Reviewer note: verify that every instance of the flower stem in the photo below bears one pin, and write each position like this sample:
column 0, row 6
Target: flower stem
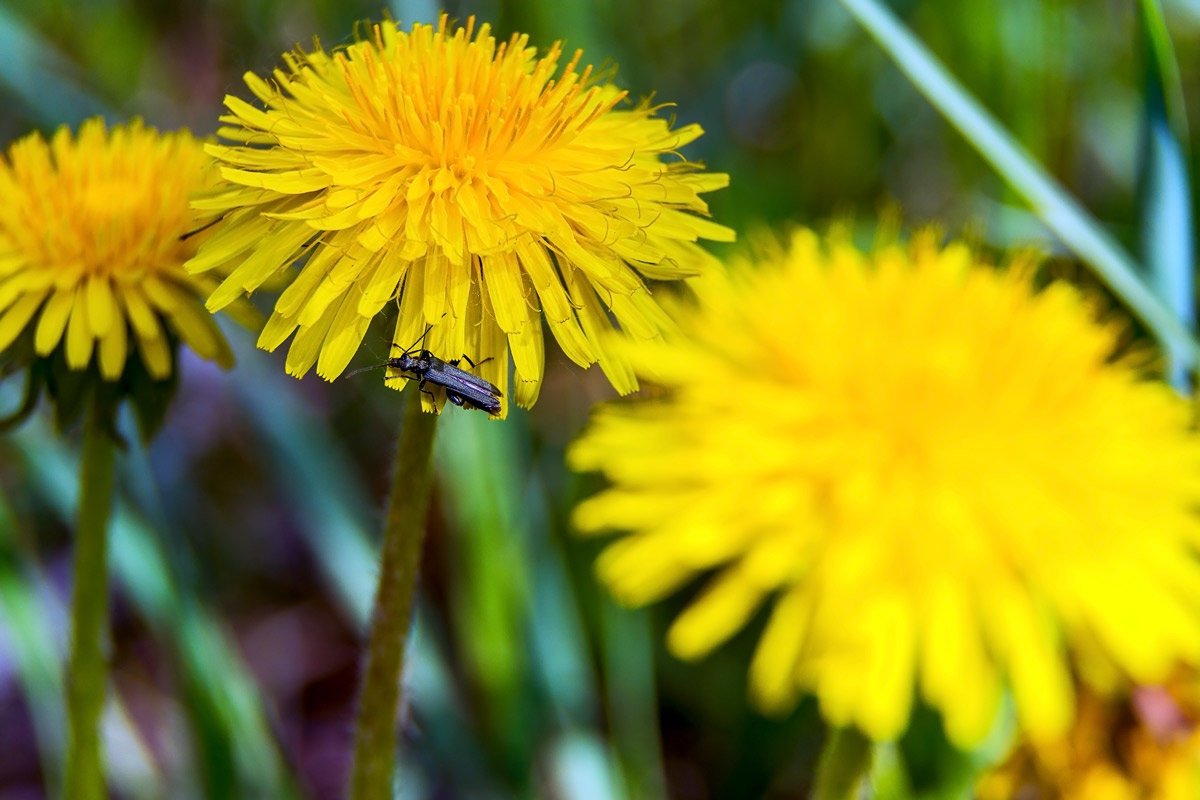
column 845, row 760
column 403, row 535
column 87, row 679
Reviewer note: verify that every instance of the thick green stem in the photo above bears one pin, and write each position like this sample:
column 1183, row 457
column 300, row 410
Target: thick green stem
column 391, row 619
column 87, row 679
column 845, row 761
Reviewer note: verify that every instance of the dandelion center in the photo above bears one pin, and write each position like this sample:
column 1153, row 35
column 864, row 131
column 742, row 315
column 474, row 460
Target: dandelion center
column 99, row 218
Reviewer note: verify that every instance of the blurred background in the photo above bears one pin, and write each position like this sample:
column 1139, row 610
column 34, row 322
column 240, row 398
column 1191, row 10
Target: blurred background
column 243, row 543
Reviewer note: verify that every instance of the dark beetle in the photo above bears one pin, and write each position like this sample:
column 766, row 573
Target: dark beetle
column 462, row 388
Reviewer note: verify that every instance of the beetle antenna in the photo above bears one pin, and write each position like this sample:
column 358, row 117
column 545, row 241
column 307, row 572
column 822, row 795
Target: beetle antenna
column 367, row 369
column 203, row 227
column 418, row 341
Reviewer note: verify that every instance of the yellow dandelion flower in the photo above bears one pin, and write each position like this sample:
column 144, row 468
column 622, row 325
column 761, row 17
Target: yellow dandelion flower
column 476, row 183
column 93, row 236
column 1144, row 745
column 931, row 470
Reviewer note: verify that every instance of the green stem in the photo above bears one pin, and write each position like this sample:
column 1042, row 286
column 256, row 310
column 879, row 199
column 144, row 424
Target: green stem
column 87, row 678
column 391, row 619
column 844, row 763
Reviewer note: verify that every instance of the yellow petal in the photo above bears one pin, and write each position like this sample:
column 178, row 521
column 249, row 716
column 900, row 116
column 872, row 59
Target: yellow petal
column 196, row 329
column 307, row 344
column 143, row 318
column 773, row 672
column 1040, row 683
column 155, row 354
column 955, row 671
column 298, row 292
column 79, row 334
column 639, row 570
column 229, row 242
column 17, row 316
column 597, row 328
column 559, row 312
column 346, row 275
column 53, row 321
column 298, row 181
column 383, row 284
column 163, row 294
column 528, row 356
column 345, row 335
column 273, row 253
column 502, row 280
column 723, row 608
column 113, row 349
column 437, row 270
column 883, row 710
column 276, row 331
column 103, row 312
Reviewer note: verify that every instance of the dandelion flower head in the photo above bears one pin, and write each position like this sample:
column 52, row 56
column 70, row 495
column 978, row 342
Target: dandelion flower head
column 476, row 182
column 933, row 473
column 93, row 235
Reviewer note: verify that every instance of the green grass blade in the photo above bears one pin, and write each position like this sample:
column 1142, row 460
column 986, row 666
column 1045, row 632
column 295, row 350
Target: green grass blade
column 1061, row 212
column 480, row 465
column 632, row 698
column 29, row 636
column 30, row 62
column 1163, row 65
column 1165, row 201
column 557, row 637
column 517, row 617
column 580, row 764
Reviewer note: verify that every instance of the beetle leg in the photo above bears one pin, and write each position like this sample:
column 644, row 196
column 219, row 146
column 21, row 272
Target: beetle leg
column 432, row 398
column 467, row 359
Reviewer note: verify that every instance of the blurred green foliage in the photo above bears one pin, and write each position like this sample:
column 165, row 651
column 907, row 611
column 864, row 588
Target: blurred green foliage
column 243, row 547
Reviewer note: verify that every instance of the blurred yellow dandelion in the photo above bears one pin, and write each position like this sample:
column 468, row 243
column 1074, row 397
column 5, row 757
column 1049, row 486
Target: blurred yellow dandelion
column 932, row 470
column 475, row 181
column 93, row 236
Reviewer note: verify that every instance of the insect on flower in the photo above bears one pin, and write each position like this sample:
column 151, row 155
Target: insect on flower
column 462, row 388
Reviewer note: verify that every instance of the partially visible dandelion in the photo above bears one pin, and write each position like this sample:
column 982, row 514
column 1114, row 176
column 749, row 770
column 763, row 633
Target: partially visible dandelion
column 1143, row 744
column 482, row 186
column 93, row 236
column 94, row 230
column 935, row 474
